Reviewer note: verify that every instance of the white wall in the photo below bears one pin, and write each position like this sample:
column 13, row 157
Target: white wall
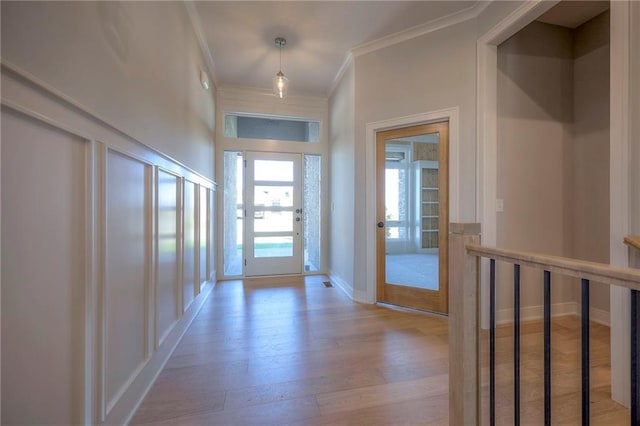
column 91, row 277
column 42, row 284
column 135, row 64
column 342, row 156
column 424, row 74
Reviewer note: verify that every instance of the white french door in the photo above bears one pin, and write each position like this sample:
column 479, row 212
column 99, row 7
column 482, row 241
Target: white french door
column 274, row 221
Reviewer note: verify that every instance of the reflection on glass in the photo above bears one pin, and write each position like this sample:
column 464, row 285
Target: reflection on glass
column 167, row 225
column 411, row 211
column 273, row 170
column 273, row 246
column 273, row 196
column 267, row 221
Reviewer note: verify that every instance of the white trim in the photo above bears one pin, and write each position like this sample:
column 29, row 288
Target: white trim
column 25, row 93
column 619, row 193
column 342, row 285
column 450, row 114
column 471, row 12
column 93, row 271
column 348, row 60
column 529, row 313
column 127, row 405
column 487, row 125
column 194, row 18
column 600, row 316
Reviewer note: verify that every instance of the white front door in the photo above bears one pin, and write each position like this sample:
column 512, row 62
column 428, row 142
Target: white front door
column 273, row 238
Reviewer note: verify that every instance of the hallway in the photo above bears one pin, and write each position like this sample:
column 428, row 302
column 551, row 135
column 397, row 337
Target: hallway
column 291, row 351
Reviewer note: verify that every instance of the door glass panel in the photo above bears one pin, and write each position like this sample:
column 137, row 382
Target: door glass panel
column 273, row 246
column 273, row 170
column 233, row 213
column 273, row 196
column 411, row 211
column 268, row 221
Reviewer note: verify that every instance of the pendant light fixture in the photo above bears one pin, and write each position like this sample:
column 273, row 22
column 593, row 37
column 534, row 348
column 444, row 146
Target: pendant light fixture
column 280, row 82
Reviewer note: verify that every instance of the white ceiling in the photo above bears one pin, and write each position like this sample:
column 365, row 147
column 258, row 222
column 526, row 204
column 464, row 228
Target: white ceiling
column 320, row 34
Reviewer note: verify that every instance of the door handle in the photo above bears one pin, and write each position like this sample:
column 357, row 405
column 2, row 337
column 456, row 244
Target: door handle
column 380, row 224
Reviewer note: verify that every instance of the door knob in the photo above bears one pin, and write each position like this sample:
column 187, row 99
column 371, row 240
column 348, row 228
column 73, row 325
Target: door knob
column 380, row 224
column 297, row 219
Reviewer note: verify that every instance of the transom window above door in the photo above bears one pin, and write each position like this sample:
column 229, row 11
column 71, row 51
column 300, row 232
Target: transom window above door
column 268, row 127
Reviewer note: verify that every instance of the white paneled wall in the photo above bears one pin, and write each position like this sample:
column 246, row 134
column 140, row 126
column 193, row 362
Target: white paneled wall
column 42, row 272
column 168, row 308
column 106, row 255
column 126, row 283
column 189, row 247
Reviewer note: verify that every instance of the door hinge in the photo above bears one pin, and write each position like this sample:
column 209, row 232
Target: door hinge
column 245, row 262
column 245, row 164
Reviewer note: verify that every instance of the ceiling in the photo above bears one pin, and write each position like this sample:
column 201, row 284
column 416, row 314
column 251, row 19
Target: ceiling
column 239, row 36
column 573, row 13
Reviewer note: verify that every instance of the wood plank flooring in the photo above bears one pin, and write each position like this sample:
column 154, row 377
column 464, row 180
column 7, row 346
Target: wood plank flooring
column 290, row 351
column 566, row 379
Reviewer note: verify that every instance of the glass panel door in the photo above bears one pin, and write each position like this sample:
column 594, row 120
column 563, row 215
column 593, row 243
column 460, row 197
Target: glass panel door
column 274, row 214
column 412, row 192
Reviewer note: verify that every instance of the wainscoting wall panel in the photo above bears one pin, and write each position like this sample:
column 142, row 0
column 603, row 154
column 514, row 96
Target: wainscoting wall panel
column 101, row 251
column 42, row 272
column 203, row 240
column 189, row 253
column 126, row 281
column 168, row 308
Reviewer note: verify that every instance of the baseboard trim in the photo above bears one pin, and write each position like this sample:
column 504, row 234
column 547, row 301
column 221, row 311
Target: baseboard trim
column 124, row 409
column 528, row 313
column 342, row 285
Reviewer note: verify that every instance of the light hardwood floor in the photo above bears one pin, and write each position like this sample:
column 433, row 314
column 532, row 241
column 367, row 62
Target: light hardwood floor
column 291, row 352
column 566, row 378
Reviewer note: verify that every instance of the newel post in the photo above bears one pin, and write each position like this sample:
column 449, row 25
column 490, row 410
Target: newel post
column 463, row 325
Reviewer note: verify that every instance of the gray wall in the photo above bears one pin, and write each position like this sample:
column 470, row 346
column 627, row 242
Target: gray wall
column 424, row 74
column 590, row 224
column 535, row 74
column 553, row 150
column 342, row 193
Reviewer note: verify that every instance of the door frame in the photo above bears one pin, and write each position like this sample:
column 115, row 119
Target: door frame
column 397, row 293
column 448, row 114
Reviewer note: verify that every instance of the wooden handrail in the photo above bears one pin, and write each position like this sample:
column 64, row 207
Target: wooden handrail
column 633, row 241
column 598, row 272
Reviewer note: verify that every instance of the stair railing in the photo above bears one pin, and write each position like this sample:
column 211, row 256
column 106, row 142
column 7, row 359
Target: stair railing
column 464, row 313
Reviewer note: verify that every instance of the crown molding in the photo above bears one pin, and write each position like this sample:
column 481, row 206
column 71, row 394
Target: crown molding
column 259, row 92
column 202, row 40
column 348, row 60
column 422, row 29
